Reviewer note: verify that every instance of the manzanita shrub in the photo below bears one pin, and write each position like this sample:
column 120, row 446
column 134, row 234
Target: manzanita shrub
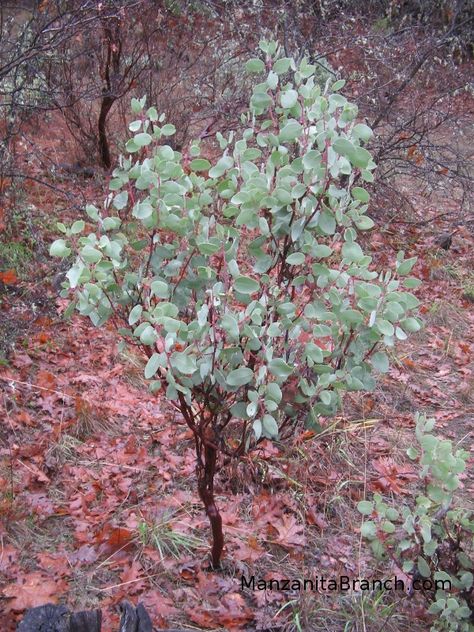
column 241, row 279
column 432, row 539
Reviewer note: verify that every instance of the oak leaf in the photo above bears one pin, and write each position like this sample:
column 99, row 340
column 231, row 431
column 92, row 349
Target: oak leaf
column 32, row 590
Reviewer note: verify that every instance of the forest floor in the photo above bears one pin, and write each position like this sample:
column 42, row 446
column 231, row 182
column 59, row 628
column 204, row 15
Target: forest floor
column 97, row 493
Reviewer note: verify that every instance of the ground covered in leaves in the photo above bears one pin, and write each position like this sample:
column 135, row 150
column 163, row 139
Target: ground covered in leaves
column 97, row 493
column 97, row 476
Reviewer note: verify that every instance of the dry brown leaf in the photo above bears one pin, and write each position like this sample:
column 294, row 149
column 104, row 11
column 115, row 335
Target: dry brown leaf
column 32, row 590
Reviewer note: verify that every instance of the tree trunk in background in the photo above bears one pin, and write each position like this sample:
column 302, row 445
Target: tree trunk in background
column 111, row 74
column 104, row 149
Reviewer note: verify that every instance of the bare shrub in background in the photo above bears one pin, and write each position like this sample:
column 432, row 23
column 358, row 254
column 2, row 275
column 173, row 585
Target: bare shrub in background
column 184, row 57
column 30, row 35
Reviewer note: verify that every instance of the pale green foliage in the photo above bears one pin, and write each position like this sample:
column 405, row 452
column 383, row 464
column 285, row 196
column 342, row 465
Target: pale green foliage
column 243, row 275
column 432, row 538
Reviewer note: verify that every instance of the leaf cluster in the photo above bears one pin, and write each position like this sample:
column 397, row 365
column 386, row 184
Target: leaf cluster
column 431, row 539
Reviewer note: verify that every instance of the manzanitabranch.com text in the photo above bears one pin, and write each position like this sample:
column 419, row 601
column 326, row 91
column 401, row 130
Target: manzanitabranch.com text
column 342, row 584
